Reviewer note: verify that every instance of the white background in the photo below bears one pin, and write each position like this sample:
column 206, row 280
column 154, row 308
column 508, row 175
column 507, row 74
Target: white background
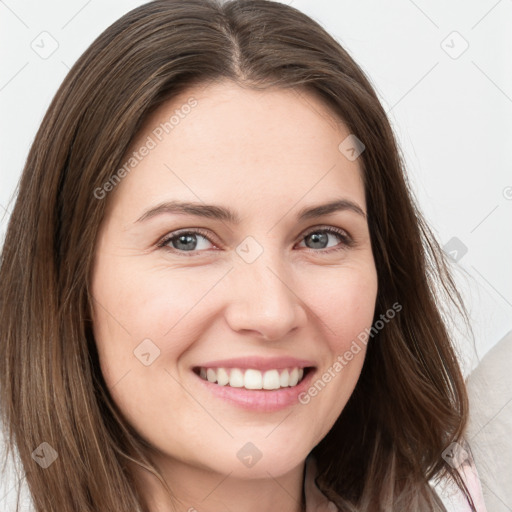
column 451, row 111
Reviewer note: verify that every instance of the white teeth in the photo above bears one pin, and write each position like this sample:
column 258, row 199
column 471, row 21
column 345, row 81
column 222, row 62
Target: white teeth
column 253, row 379
column 294, row 377
column 222, row 377
column 236, row 378
column 271, row 380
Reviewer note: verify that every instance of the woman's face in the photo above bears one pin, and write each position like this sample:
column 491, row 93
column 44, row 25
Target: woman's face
column 179, row 289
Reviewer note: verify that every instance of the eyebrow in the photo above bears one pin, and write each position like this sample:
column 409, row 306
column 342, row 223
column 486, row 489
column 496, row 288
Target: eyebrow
column 225, row 214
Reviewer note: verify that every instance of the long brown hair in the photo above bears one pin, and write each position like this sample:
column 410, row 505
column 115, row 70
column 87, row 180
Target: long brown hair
column 410, row 402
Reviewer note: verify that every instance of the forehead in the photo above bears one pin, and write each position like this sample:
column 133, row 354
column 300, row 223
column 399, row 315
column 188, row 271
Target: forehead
column 223, row 142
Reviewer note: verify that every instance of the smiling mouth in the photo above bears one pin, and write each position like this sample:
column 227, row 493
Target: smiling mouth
column 253, row 379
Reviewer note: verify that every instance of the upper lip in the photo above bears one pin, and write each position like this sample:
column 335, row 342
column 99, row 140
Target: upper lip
column 258, row 363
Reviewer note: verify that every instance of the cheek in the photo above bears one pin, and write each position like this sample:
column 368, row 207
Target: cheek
column 345, row 303
column 141, row 330
column 143, row 315
column 150, row 301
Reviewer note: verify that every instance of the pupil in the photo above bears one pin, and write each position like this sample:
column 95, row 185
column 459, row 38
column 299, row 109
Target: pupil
column 186, row 238
column 319, row 238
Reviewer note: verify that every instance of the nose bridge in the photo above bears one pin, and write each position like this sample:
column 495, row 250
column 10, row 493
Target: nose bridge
column 262, row 297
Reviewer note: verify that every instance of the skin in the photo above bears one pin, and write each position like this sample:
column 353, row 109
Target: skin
column 265, row 154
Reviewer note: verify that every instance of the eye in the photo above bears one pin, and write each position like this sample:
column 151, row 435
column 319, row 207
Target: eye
column 319, row 237
column 186, row 241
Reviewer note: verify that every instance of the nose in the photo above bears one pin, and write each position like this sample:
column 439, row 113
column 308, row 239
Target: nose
column 261, row 300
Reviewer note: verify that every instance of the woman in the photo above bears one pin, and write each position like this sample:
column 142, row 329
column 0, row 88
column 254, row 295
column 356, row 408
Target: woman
column 142, row 371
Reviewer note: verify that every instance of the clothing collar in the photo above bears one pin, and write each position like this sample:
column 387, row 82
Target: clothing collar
column 316, row 500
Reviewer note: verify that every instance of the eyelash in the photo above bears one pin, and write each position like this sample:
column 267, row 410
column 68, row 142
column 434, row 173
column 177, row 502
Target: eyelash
column 347, row 241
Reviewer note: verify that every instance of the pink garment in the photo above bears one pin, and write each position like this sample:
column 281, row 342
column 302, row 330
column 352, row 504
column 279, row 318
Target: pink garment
column 452, row 497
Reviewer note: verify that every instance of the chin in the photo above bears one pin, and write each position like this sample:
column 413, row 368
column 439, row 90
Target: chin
column 250, row 462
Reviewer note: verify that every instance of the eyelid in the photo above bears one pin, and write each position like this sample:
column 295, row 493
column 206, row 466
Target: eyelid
column 343, row 234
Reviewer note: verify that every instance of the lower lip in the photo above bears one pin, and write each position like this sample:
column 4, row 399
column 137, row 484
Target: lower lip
column 258, row 399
